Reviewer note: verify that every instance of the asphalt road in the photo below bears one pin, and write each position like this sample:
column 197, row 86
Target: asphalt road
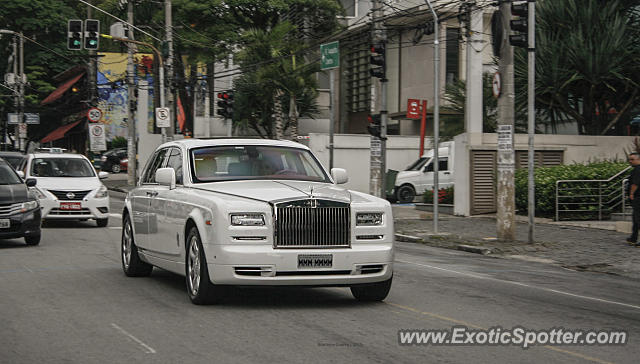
column 67, row 301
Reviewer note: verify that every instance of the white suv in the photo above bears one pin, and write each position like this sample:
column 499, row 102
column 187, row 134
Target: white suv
column 68, row 187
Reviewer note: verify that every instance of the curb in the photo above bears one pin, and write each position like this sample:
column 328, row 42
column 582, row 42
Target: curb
column 117, row 189
column 408, row 238
column 474, row 249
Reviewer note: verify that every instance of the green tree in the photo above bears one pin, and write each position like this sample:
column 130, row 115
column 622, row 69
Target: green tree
column 587, row 54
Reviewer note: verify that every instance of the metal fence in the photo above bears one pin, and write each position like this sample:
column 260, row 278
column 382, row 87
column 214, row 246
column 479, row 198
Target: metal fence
column 591, row 199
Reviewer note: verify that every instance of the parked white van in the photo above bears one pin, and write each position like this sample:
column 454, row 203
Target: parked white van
column 418, row 177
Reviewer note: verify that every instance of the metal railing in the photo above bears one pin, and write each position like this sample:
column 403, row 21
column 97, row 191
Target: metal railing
column 583, row 199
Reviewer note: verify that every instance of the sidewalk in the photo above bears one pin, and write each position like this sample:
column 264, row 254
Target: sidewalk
column 573, row 245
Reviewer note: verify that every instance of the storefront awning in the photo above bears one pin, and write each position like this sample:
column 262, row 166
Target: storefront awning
column 60, row 132
column 61, row 90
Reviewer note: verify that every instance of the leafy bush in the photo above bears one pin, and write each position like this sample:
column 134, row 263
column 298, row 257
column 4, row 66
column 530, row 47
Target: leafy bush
column 545, row 183
column 445, row 195
column 118, row 142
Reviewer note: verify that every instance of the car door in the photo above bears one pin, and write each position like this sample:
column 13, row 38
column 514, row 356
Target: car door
column 141, row 200
column 167, row 208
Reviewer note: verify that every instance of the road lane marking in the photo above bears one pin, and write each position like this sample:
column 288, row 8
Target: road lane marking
column 147, row 349
column 115, row 227
column 525, row 285
column 116, row 215
column 464, row 323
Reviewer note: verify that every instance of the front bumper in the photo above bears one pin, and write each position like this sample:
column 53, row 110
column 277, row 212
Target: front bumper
column 22, row 224
column 91, row 208
column 264, row 265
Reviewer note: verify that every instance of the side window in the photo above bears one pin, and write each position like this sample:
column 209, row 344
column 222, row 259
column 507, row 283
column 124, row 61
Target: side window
column 175, row 162
column 150, row 173
column 443, row 165
column 429, row 167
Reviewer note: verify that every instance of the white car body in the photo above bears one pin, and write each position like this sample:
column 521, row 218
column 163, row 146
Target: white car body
column 162, row 216
column 420, row 177
column 76, row 192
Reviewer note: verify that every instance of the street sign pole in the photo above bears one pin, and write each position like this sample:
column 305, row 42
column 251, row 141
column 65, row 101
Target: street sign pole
column 330, row 60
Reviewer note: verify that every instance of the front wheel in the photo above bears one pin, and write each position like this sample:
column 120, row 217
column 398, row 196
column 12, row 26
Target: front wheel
column 374, row 292
column 32, row 240
column 200, row 289
column 405, row 194
column 131, row 263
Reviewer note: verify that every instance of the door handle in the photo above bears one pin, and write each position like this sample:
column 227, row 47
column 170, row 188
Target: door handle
column 152, row 194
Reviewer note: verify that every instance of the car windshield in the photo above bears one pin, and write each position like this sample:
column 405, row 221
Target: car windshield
column 61, row 167
column 8, row 175
column 417, row 165
column 255, row 162
column 13, row 160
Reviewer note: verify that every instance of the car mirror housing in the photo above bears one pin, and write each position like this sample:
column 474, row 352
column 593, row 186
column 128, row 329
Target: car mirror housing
column 103, row 175
column 339, row 175
column 166, row 177
column 31, row 182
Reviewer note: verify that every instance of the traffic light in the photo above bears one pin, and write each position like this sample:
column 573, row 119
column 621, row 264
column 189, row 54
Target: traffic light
column 519, row 25
column 74, row 34
column 225, row 104
column 91, row 33
column 379, row 67
column 374, row 125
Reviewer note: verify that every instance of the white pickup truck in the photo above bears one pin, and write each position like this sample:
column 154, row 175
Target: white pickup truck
column 418, row 177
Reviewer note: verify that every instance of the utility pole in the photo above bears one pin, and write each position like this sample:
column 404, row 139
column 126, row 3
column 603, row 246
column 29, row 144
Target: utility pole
column 16, row 100
column 473, row 104
column 378, row 160
column 92, row 66
column 505, row 224
column 20, row 84
column 436, row 113
column 531, row 80
column 169, row 74
column 131, row 104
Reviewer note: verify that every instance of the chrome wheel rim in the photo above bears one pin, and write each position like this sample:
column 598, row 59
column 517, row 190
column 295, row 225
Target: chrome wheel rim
column 126, row 244
column 193, row 264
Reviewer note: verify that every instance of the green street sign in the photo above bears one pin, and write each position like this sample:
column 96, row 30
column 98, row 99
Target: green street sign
column 330, row 55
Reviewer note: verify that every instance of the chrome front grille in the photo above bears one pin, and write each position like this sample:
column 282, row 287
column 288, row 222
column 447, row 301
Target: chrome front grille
column 6, row 210
column 69, row 195
column 312, row 224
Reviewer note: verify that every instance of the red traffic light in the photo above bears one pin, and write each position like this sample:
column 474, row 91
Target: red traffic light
column 377, row 48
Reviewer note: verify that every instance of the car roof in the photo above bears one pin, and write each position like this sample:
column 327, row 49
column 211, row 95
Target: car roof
column 197, row 143
column 58, row 155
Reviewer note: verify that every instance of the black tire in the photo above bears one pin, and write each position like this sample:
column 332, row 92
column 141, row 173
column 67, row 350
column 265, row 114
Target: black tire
column 131, row 263
column 115, row 168
column 405, row 194
column 32, row 240
column 102, row 222
column 199, row 287
column 374, row 292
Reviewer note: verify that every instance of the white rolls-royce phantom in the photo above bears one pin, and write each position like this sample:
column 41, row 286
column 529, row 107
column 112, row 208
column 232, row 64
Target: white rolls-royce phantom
column 254, row 212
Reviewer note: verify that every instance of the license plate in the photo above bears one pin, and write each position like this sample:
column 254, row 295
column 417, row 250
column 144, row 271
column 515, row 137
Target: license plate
column 315, row 261
column 5, row 223
column 70, row 206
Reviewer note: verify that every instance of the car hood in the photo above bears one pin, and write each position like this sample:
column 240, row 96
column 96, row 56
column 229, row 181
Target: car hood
column 68, row 183
column 274, row 191
column 13, row 193
column 402, row 175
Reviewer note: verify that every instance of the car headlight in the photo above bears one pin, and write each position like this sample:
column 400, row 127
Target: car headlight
column 102, row 192
column 369, row 218
column 247, row 219
column 29, row 205
column 39, row 194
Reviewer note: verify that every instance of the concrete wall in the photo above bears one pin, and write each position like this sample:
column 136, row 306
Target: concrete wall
column 352, row 152
column 577, row 149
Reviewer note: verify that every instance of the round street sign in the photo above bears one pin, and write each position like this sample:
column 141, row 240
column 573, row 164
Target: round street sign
column 94, row 114
column 496, row 84
column 163, row 117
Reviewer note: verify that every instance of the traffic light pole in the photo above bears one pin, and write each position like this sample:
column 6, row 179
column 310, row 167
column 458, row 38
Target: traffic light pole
column 436, row 113
column 20, row 84
column 131, row 106
column 531, row 79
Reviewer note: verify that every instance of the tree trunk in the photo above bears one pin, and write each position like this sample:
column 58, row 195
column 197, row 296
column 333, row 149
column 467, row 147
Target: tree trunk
column 293, row 117
column 277, row 111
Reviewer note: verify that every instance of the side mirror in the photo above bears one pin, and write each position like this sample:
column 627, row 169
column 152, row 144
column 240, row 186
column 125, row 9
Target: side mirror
column 31, row 182
column 20, row 174
column 339, row 175
column 166, row 177
column 103, row 175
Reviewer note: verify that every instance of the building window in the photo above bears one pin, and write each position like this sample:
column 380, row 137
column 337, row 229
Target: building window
column 358, row 80
column 350, row 8
column 453, row 54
